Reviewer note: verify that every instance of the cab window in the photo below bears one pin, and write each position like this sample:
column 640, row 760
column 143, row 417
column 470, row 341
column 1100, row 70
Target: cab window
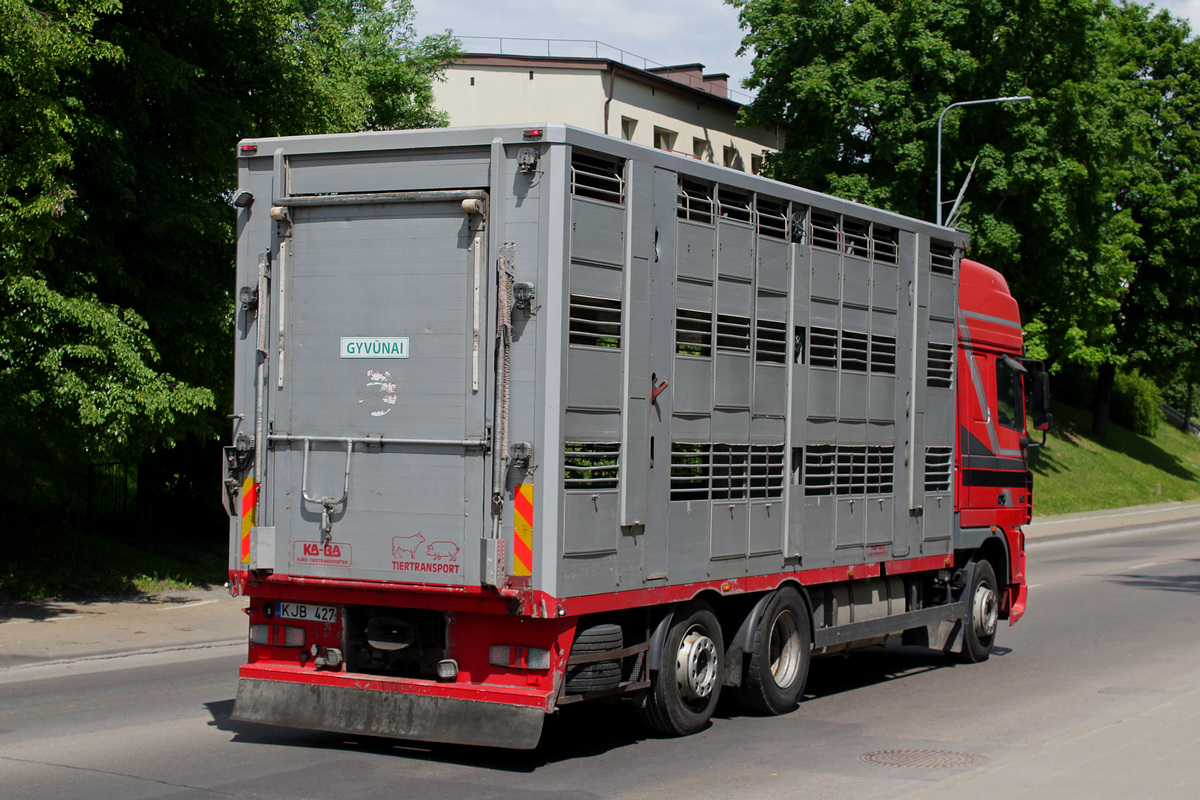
column 1010, row 399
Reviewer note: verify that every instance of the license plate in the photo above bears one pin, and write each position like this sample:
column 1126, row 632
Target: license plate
column 305, row 612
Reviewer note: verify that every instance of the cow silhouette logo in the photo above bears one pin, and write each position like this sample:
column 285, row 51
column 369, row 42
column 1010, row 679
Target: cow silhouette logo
column 402, row 545
column 442, row 551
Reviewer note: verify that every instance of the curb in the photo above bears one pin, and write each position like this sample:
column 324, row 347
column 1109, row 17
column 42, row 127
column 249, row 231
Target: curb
column 69, row 660
column 1094, row 523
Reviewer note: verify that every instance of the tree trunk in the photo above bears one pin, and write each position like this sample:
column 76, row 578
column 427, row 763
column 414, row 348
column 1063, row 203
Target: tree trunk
column 1102, row 403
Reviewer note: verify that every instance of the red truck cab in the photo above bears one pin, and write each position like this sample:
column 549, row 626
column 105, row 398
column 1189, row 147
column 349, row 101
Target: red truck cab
column 994, row 487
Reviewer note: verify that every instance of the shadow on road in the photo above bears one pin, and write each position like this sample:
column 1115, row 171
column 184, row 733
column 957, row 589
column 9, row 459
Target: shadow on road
column 1162, row 583
column 49, row 610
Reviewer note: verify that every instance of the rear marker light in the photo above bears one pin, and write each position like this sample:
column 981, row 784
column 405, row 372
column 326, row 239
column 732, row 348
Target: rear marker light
column 248, row 149
column 534, row 133
column 277, row 635
column 502, row 655
column 447, row 670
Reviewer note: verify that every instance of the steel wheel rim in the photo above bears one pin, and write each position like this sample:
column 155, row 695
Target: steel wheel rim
column 696, row 665
column 784, row 652
column 985, row 610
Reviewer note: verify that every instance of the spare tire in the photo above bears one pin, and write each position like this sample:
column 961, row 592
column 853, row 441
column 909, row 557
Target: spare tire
column 597, row 675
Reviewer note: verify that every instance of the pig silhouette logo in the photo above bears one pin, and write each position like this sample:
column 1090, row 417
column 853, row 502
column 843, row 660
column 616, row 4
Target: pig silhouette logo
column 406, row 544
column 442, row 551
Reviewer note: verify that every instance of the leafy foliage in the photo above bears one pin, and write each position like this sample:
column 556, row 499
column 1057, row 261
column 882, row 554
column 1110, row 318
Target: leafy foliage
column 117, row 124
column 1137, row 403
column 1084, row 197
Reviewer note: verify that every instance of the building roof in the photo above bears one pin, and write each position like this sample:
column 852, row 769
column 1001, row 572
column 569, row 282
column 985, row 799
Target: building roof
column 686, row 79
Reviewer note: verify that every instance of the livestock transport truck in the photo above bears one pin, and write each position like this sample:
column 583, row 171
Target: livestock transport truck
column 530, row 416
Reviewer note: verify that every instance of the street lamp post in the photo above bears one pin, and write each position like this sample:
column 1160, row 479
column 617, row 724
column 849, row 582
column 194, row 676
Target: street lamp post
column 939, row 138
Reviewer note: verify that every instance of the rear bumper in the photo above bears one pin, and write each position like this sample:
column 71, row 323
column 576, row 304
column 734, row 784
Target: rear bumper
column 396, row 715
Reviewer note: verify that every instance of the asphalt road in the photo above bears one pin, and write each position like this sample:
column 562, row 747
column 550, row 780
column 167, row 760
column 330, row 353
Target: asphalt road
column 1109, row 627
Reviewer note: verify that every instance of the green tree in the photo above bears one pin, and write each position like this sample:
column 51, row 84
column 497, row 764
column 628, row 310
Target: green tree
column 861, row 84
column 1158, row 322
column 115, row 315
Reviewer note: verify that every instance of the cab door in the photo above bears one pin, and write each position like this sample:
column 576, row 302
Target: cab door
column 994, row 470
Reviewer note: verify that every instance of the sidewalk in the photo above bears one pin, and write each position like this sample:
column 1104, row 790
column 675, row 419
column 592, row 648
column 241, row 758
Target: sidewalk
column 59, row 630
column 1066, row 526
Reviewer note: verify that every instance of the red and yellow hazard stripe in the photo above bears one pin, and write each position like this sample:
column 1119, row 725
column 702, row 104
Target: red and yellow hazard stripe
column 523, row 530
column 249, row 503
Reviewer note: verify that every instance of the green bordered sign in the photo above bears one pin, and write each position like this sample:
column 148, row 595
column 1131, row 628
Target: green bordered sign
column 374, row 347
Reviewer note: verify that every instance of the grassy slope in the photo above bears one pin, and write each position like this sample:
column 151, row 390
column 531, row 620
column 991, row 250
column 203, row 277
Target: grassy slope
column 1075, row 473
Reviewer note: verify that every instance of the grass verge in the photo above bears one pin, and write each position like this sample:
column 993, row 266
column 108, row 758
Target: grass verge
column 1074, row 472
column 58, row 563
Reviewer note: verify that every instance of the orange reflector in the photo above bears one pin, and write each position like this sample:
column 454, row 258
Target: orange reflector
column 249, row 502
column 523, row 530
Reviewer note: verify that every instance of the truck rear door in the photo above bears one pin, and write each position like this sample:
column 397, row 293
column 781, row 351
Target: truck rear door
column 377, row 423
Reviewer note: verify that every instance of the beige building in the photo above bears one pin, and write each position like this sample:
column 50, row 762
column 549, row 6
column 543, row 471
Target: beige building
column 672, row 108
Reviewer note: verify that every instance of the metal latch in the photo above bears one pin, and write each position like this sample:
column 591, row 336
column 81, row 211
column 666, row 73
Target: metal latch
column 248, row 297
column 520, row 453
column 527, row 159
column 238, row 458
column 523, row 294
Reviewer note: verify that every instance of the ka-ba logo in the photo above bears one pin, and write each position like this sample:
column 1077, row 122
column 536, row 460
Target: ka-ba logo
column 321, row 554
column 413, row 554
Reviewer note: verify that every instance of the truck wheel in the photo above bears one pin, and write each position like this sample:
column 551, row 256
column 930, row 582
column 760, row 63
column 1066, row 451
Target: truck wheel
column 983, row 611
column 598, row 675
column 779, row 656
column 684, row 691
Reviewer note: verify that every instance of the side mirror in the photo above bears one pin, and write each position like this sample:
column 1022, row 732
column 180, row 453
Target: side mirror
column 1042, row 397
column 1043, row 421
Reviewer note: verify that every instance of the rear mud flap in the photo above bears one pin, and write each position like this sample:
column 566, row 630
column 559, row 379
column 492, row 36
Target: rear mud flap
column 388, row 714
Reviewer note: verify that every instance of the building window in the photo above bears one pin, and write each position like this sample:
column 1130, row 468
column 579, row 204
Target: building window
column 756, row 164
column 702, row 150
column 627, row 128
column 664, row 139
column 733, row 158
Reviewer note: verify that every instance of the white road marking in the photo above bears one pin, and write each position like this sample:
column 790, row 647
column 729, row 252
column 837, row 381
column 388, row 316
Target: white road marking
column 186, row 605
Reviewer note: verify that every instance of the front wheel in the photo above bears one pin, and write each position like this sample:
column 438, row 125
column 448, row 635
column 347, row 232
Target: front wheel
column 779, row 656
column 683, row 693
column 983, row 614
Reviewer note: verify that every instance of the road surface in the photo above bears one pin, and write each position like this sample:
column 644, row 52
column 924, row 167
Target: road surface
column 1109, row 629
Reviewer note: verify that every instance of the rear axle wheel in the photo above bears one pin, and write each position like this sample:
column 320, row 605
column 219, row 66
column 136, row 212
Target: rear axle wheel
column 683, row 692
column 777, row 667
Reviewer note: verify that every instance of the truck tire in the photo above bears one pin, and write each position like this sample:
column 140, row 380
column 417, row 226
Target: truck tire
column 598, row 675
column 684, row 691
column 778, row 657
column 983, row 606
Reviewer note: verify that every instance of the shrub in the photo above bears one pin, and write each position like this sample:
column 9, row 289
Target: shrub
column 1137, row 403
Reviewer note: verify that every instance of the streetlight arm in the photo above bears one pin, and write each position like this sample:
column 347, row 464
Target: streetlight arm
column 941, row 117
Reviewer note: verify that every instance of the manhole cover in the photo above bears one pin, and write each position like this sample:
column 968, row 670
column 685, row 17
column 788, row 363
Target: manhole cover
column 923, row 759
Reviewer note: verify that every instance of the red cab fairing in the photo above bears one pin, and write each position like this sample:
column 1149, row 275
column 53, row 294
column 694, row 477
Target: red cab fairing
column 994, row 487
